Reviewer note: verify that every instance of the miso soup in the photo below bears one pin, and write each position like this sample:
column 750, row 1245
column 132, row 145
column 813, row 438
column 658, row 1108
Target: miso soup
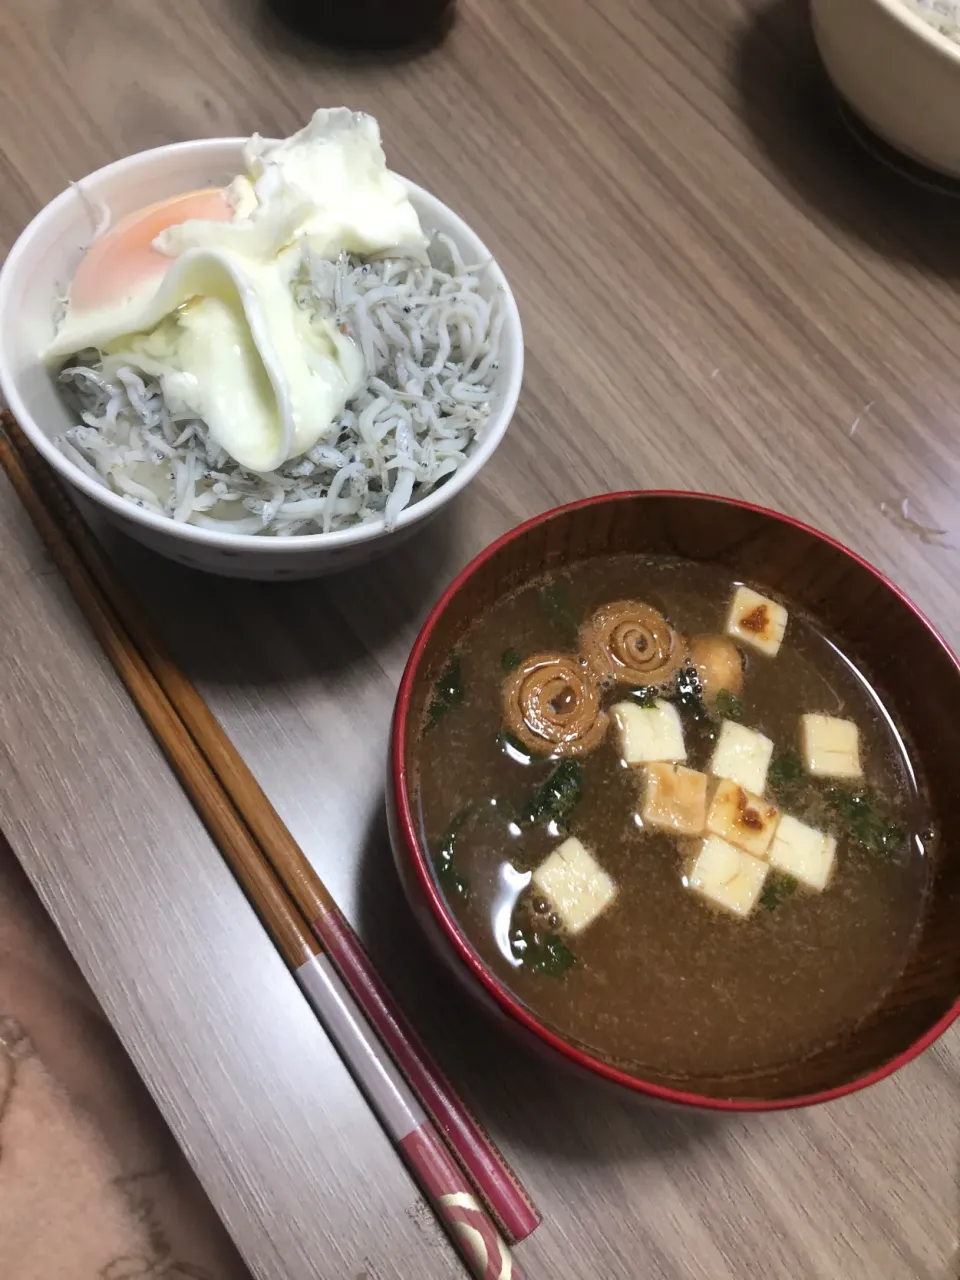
column 673, row 816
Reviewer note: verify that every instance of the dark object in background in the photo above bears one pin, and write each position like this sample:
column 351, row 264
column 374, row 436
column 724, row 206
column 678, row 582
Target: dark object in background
column 366, row 24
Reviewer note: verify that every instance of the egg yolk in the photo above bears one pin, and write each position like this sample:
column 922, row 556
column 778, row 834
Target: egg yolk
column 124, row 259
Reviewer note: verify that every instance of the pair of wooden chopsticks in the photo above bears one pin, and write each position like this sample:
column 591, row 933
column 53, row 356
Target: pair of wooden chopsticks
column 409, row 1093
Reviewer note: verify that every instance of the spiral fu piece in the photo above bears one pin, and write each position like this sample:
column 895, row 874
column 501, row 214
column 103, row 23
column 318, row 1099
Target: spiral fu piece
column 628, row 642
column 551, row 704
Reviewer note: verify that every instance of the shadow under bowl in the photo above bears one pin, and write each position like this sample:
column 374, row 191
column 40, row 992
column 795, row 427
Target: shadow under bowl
column 879, row 629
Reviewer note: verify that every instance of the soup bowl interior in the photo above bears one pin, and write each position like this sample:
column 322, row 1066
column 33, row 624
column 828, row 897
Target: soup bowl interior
column 877, row 627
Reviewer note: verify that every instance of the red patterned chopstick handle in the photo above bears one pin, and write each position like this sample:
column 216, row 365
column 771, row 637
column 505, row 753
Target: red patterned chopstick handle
column 472, row 1232
column 477, row 1240
column 507, row 1201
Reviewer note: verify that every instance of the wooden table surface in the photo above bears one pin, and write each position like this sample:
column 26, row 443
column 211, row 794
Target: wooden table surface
column 721, row 290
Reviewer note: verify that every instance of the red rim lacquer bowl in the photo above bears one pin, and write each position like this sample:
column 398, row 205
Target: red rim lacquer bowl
column 877, row 626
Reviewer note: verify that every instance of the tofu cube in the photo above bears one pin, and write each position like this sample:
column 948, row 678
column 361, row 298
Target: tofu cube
column 831, row 747
column 743, row 756
column 649, row 734
column 757, row 621
column 742, row 819
column 576, row 886
column 674, row 799
column 726, row 876
column 803, row 852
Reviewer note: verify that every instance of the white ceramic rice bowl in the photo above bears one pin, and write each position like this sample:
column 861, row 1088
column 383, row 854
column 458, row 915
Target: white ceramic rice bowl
column 899, row 74
column 36, row 274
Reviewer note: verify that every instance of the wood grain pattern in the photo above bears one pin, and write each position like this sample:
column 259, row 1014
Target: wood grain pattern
column 291, row 901
column 261, row 1097
column 720, row 291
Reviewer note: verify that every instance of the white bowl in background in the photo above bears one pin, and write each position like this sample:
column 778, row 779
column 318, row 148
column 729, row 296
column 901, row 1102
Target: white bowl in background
column 899, row 74
column 35, row 276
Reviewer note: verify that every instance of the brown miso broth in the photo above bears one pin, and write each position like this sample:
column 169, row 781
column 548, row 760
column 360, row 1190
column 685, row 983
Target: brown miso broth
column 663, row 980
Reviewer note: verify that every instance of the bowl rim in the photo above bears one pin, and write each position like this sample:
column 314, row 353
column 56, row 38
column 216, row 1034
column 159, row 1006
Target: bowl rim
column 417, row 856
column 910, row 19
column 237, row 543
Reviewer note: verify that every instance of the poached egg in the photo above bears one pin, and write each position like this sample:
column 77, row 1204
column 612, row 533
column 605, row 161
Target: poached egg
column 198, row 290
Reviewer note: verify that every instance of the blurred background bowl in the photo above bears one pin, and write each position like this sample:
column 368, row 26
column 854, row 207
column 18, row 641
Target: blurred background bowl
column 897, row 72
column 876, row 625
column 36, row 276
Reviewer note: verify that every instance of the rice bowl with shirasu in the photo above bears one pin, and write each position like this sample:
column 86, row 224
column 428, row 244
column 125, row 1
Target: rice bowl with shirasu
column 942, row 15
column 430, row 343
